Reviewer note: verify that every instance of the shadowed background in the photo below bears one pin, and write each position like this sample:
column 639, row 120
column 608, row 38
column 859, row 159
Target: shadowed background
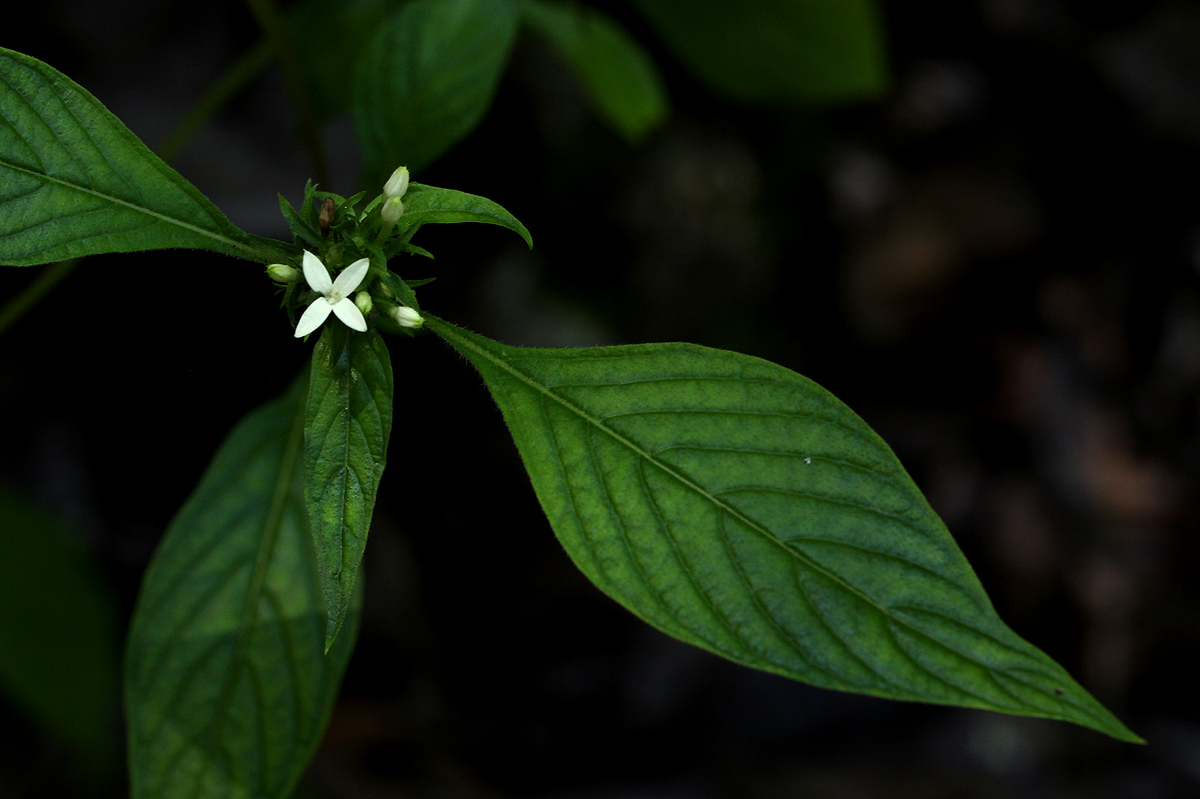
column 994, row 263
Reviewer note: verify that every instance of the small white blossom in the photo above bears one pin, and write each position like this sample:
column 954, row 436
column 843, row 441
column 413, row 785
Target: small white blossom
column 406, row 317
column 335, row 295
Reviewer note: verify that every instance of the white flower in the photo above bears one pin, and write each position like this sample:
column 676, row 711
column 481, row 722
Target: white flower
column 335, row 295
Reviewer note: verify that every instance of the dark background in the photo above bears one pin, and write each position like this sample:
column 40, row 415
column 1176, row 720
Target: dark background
column 995, row 265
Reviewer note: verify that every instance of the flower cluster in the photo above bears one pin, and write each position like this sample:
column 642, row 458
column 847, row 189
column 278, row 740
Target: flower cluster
column 335, row 293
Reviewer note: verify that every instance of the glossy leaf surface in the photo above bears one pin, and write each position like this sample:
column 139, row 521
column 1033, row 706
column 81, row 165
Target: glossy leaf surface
column 424, row 205
column 75, row 181
column 426, row 79
column 228, row 685
column 618, row 74
column 740, row 507
column 58, row 633
column 772, row 51
column 348, row 420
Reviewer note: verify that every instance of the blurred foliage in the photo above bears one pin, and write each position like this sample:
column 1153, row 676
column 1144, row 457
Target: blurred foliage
column 58, row 633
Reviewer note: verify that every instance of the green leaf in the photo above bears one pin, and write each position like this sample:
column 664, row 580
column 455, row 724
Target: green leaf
column 75, row 181
column 772, row 51
column 427, row 78
column 328, row 36
column 616, row 71
column 300, row 228
column 424, row 205
column 58, row 633
column 740, row 507
column 348, row 420
column 228, row 686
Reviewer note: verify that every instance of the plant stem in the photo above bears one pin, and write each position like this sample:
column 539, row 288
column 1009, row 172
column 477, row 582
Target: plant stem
column 221, row 91
column 40, row 287
column 271, row 22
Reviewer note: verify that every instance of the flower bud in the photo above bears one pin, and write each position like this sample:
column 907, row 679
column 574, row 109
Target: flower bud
column 392, row 210
column 397, row 184
column 363, row 300
column 405, row 316
column 282, row 273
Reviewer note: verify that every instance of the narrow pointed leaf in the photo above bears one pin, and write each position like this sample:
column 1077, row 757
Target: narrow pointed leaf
column 348, row 420
column 426, row 79
column 773, row 51
column 740, row 507
column 425, row 205
column 75, row 181
column 228, row 685
column 617, row 72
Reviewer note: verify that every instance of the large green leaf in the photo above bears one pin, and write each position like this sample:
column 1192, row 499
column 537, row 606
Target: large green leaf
column 75, row 181
column 425, row 80
column 348, row 420
column 740, row 507
column 424, row 205
column 228, row 686
column 617, row 72
column 773, row 51
column 58, row 632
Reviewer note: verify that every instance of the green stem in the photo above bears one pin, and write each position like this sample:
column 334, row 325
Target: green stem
column 215, row 97
column 40, row 287
column 271, row 22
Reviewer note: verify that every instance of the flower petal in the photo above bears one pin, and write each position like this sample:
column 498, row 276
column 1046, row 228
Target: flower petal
column 317, row 313
column 350, row 277
column 317, row 275
column 348, row 312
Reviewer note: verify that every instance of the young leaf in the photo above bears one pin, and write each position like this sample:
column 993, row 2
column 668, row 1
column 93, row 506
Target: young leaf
column 58, row 633
column 75, row 181
column 424, row 205
column 348, row 420
column 771, row 51
column 426, row 79
column 228, row 686
column 615, row 70
column 740, row 507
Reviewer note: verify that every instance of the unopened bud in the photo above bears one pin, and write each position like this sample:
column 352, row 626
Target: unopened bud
column 282, row 273
column 406, row 317
column 363, row 300
column 392, row 210
column 397, row 184
column 325, row 217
